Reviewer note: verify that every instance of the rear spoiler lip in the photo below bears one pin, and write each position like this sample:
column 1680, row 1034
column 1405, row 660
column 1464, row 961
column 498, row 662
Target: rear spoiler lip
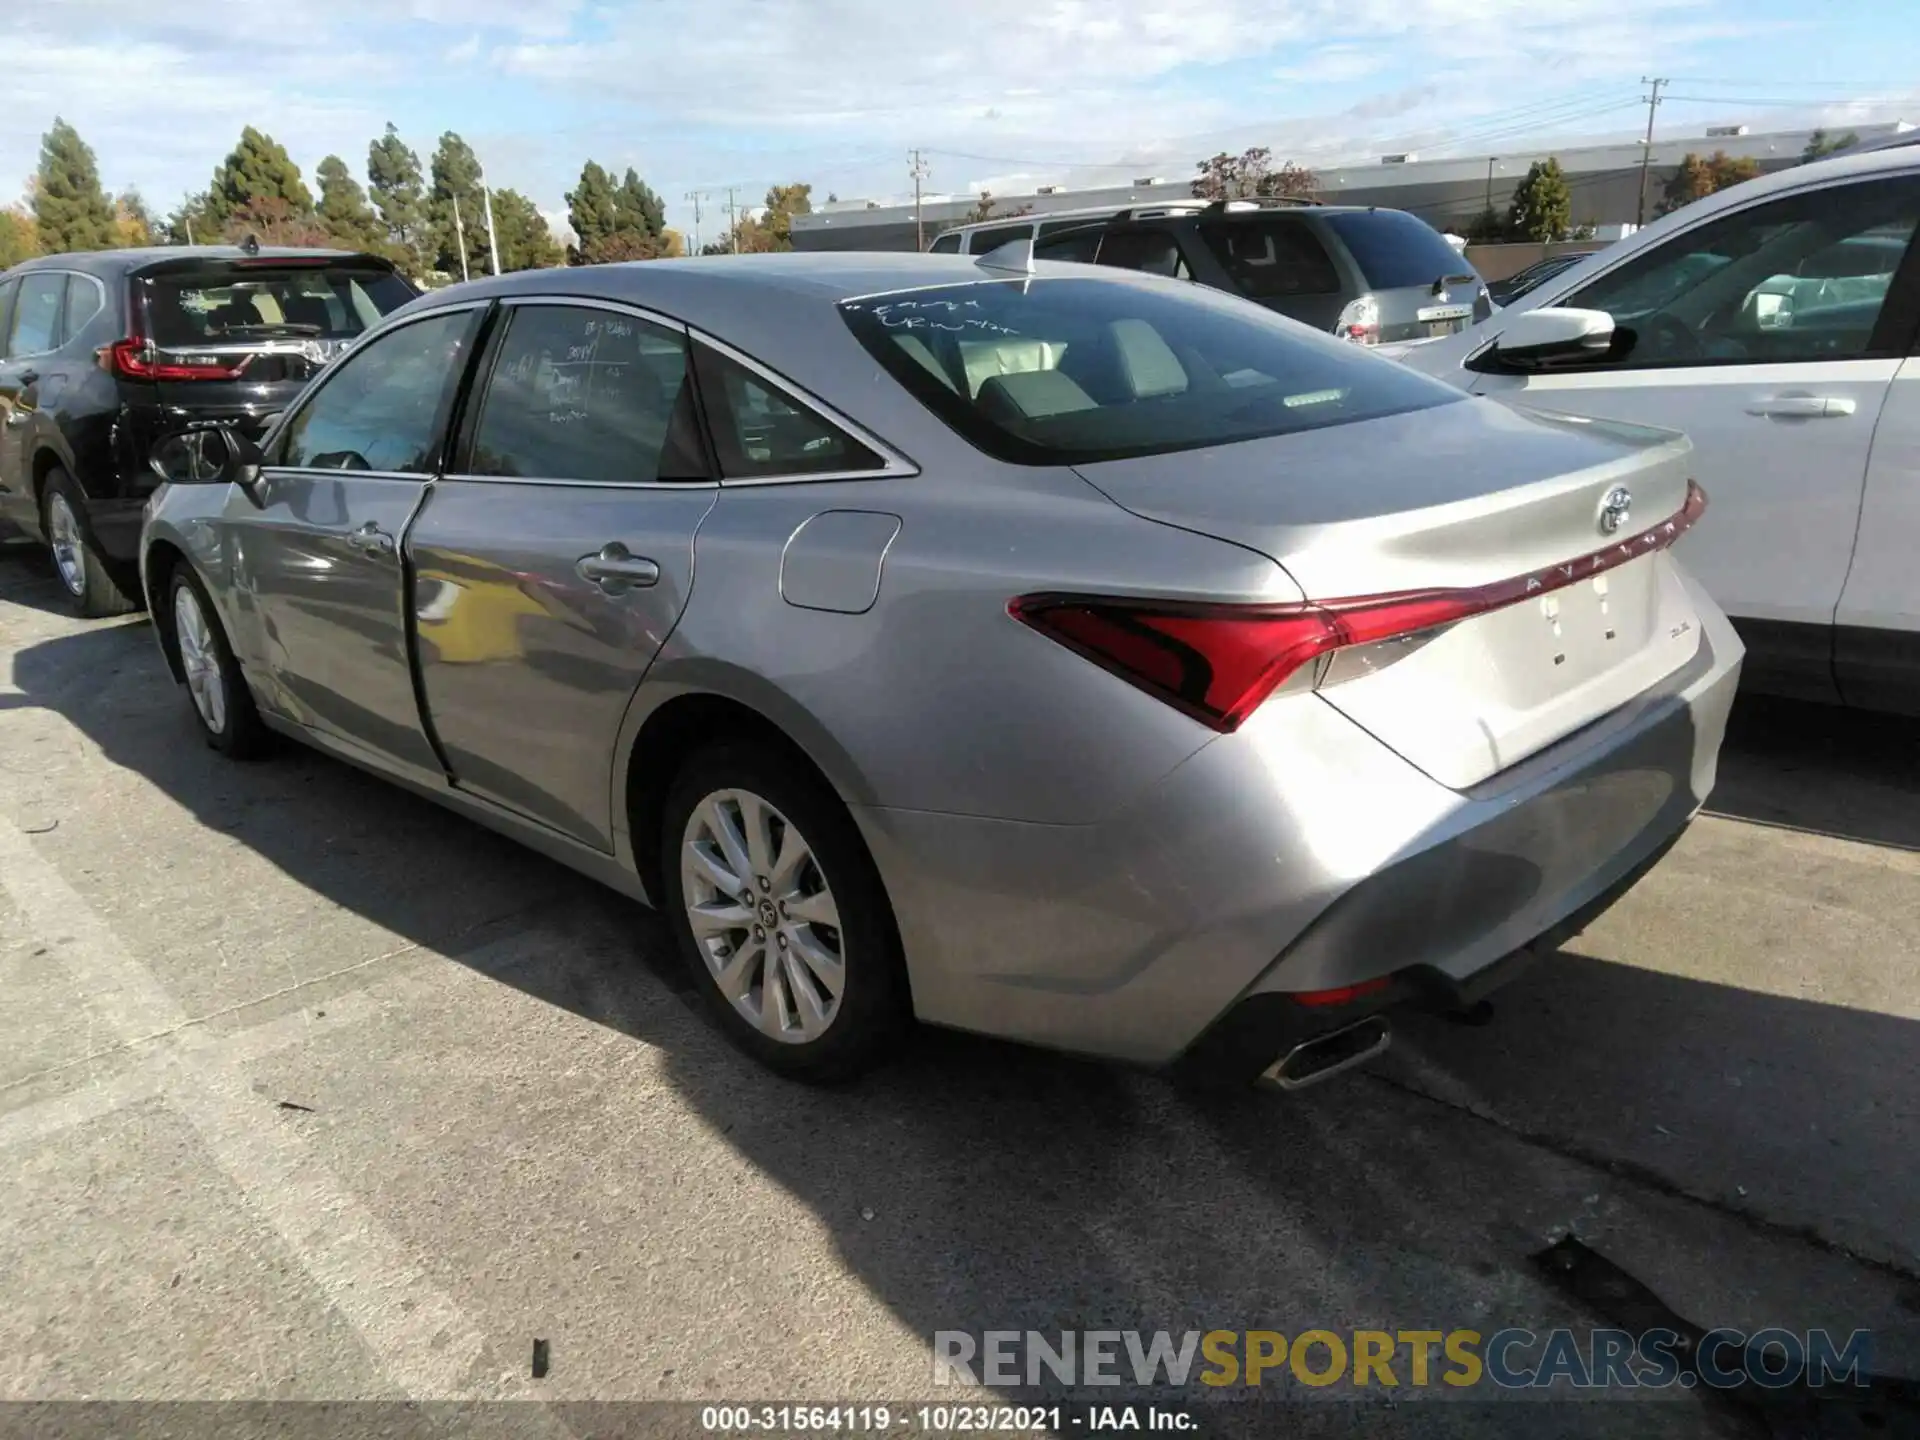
column 240, row 259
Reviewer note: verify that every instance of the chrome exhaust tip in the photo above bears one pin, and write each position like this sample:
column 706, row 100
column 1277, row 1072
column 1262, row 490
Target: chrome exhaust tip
column 1325, row 1056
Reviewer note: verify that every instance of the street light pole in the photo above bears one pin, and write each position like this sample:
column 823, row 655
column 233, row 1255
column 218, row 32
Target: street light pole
column 493, row 244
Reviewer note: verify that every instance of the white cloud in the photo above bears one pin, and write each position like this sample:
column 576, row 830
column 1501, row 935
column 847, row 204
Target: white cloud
column 467, row 51
column 1333, row 64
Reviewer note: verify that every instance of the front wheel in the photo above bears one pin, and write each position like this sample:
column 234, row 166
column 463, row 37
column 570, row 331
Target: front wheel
column 222, row 705
column 91, row 582
column 780, row 914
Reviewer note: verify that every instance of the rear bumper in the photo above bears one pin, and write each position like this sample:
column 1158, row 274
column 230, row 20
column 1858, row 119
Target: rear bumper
column 1296, row 855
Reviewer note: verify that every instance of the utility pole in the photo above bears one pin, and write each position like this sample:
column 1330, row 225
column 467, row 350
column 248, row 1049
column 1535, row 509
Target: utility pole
column 1646, row 151
column 733, row 222
column 460, row 238
column 919, row 172
column 1490, row 160
column 694, row 196
column 493, row 245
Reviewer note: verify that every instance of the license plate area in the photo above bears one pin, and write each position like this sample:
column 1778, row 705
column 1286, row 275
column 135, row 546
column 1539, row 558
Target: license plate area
column 1444, row 319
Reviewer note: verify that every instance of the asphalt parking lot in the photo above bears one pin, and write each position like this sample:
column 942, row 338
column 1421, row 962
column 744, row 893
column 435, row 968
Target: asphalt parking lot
column 309, row 1090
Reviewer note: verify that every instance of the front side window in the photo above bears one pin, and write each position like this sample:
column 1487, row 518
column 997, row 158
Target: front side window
column 760, row 432
column 382, row 409
column 590, row 395
column 1058, row 371
column 1270, row 258
column 1801, row 278
column 1153, row 252
column 36, row 313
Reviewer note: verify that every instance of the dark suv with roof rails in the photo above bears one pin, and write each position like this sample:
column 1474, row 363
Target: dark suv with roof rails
column 1365, row 274
column 104, row 352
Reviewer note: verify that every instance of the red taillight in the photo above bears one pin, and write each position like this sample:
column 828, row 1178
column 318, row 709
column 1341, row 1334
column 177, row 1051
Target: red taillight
column 1217, row 662
column 1342, row 994
column 130, row 359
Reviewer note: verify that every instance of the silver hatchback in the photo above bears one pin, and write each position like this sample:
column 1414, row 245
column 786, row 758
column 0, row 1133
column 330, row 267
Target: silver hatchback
column 1075, row 657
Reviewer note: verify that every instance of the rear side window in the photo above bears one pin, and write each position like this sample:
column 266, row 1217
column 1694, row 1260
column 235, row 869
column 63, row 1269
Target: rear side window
column 1078, row 246
column 36, row 313
column 1153, row 252
column 761, row 432
column 1395, row 250
column 591, row 395
column 230, row 304
column 1270, row 258
column 984, row 240
column 85, row 299
column 947, row 244
column 1050, row 371
column 8, row 288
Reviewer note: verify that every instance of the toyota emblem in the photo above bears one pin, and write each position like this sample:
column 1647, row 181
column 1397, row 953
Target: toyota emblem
column 1615, row 508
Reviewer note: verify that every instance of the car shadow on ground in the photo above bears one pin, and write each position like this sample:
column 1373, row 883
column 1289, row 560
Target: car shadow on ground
column 27, row 576
column 975, row 1185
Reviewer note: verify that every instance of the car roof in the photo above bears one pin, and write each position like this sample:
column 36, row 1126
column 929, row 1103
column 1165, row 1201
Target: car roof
column 116, row 262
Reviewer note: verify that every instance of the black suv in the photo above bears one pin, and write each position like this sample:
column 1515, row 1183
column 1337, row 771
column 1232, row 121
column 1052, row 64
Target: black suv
column 104, row 352
column 1365, row 274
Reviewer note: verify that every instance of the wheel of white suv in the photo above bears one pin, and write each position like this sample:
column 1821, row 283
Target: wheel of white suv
column 780, row 914
column 222, row 704
column 90, row 581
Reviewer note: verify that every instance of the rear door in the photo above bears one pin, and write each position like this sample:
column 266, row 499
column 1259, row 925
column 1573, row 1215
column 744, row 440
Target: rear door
column 317, row 549
column 32, row 335
column 551, row 565
column 1778, row 379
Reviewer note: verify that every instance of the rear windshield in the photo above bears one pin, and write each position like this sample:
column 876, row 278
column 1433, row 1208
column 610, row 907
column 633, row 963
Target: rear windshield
column 1073, row 371
column 1394, row 249
column 1271, row 258
column 211, row 307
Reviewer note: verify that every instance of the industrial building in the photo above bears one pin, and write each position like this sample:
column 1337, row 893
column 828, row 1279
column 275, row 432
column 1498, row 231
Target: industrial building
column 1447, row 192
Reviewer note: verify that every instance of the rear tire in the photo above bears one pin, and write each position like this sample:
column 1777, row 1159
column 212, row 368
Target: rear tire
column 780, row 914
column 92, row 582
column 223, row 706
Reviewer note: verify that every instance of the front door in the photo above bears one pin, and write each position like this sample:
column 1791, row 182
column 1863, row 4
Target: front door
column 1769, row 337
column 318, row 550
column 30, row 334
column 552, row 562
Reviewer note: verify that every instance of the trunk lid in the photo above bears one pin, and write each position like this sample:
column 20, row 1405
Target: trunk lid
column 1457, row 498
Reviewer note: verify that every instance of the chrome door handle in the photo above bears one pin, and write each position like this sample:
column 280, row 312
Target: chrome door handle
column 1803, row 407
column 371, row 540
column 617, row 570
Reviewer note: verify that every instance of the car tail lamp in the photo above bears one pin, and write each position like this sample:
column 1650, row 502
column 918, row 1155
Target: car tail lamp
column 1219, row 662
column 134, row 359
column 1360, row 321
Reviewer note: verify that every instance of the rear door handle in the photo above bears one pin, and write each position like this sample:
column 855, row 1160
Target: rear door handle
column 617, row 570
column 1803, row 407
column 371, row 540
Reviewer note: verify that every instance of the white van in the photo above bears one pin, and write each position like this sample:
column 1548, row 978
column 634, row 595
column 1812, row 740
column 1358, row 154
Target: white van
column 985, row 235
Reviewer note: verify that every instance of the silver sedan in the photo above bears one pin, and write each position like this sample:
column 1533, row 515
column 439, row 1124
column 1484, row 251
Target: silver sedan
column 1073, row 656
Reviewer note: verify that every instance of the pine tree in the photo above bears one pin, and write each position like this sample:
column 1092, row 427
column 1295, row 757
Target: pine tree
column 394, row 183
column 70, row 209
column 637, row 208
column 526, row 241
column 456, row 182
column 259, row 187
column 593, row 211
column 132, row 222
column 1542, row 208
column 786, row 201
column 344, row 212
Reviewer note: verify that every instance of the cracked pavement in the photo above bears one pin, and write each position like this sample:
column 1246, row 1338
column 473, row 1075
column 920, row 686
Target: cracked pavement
column 311, row 1090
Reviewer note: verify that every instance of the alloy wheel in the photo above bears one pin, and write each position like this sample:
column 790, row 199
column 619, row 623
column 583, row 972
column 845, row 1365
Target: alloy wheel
column 763, row 916
column 63, row 536
column 200, row 660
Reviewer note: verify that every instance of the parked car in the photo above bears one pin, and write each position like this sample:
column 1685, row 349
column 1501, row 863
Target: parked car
column 1776, row 323
column 1069, row 656
column 102, row 353
column 1505, row 292
column 982, row 236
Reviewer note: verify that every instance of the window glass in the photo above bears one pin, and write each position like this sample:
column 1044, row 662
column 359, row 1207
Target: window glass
column 7, row 291
column 1395, row 250
column 36, row 313
column 1801, row 278
column 1269, row 258
column 1059, row 371
column 1078, row 245
column 227, row 303
column 981, row 241
column 947, row 244
column 85, row 299
column 1152, row 251
column 381, row 410
column 759, row 431
column 584, row 394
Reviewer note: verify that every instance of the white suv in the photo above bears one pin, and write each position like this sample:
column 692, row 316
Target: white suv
column 1775, row 323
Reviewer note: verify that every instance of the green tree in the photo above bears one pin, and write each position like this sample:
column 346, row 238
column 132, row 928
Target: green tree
column 344, row 213
column 593, row 211
column 526, row 241
column 782, row 204
column 394, row 183
column 637, row 208
column 19, row 238
column 133, row 223
column 258, row 186
column 456, row 216
column 1728, row 172
column 1819, row 145
column 1250, row 175
column 1542, row 208
column 614, row 222
column 1489, row 227
column 70, row 209
column 193, row 222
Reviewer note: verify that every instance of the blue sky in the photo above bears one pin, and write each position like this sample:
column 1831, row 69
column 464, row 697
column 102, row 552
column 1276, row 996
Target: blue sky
column 703, row 94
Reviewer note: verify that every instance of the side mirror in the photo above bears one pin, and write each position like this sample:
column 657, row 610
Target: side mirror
column 1546, row 338
column 215, row 456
